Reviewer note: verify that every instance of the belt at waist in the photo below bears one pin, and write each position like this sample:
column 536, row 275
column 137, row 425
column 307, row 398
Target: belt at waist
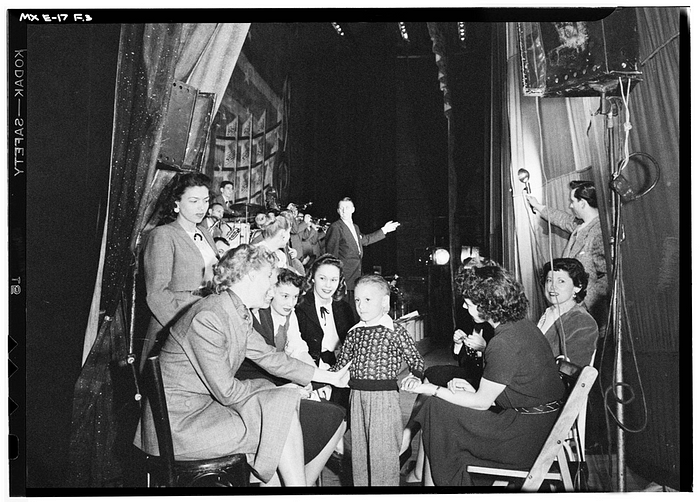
column 365, row 384
column 541, row 409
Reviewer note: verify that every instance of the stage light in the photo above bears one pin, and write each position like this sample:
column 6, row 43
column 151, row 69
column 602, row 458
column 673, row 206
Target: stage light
column 338, row 29
column 462, row 29
column 440, row 256
column 404, row 31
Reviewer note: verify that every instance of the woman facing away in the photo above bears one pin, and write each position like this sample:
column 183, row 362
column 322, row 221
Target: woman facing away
column 214, row 414
column 178, row 257
column 504, row 422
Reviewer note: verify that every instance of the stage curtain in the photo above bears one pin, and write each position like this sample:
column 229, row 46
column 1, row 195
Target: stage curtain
column 561, row 139
column 152, row 56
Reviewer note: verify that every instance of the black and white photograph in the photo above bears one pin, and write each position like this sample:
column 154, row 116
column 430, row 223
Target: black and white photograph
column 348, row 249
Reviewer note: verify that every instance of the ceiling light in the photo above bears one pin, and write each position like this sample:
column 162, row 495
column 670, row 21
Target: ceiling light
column 404, row 31
column 462, row 29
column 338, row 29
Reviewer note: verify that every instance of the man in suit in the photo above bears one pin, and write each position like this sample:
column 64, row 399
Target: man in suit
column 585, row 243
column 345, row 241
column 225, row 197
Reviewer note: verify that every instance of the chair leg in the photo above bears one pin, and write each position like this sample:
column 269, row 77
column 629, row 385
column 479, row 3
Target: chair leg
column 564, row 470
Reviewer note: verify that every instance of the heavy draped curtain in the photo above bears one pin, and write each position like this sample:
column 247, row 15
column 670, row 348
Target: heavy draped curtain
column 152, row 57
column 561, row 139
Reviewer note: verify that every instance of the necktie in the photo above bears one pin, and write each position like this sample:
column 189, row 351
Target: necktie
column 324, row 311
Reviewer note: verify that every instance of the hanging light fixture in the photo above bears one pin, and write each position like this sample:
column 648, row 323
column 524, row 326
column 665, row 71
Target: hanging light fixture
column 462, row 30
column 338, row 29
column 404, row 32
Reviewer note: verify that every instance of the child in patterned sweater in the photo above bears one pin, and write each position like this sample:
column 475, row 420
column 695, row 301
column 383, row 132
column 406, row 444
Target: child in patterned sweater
column 376, row 346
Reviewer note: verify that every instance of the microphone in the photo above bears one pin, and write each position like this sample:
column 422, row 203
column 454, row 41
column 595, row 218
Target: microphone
column 524, row 177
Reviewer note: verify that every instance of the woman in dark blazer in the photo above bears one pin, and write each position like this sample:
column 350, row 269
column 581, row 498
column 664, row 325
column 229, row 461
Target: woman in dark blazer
column 323, row 303
column 179, row 256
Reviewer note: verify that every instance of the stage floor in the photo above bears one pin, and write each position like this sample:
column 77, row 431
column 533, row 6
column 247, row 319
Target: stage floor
column 600, row 479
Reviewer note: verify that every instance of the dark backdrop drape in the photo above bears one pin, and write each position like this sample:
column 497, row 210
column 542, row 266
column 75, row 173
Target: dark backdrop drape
column 342, row 131
column 143, row 83
column 651, row 263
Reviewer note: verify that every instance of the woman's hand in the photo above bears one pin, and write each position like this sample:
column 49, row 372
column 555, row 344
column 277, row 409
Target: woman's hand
column 459, row 336
column 475, row 341
column 460, row 385
column 338, row 378
column 414, row 385
column 410, row 382
column 324, row 392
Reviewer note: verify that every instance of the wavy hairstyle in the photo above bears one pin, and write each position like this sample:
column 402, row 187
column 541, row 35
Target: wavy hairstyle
column 291, row 278
column 327, row 259
column 237, row 262
column 584, row 190
column 576, row 272
column 273, row 226
column 174, row 190
column 498, row 296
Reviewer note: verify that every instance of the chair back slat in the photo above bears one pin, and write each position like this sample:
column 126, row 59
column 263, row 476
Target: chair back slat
column 159, row 410
column 575, row 402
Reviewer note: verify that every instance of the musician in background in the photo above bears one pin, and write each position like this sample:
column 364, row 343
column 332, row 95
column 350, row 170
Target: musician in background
column 345, row 241
column 225, row 197
column 214, row 215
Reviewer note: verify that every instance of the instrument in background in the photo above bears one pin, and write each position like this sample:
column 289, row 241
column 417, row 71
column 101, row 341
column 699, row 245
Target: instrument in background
column 239, row 234
column 245, row 212
column 236, row 233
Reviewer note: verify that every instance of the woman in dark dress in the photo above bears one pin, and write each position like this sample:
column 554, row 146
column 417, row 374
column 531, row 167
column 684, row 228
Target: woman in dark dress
column 503, row 424
column 324, row 317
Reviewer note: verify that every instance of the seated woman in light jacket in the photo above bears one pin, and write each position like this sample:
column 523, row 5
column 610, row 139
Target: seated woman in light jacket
column 213, row 413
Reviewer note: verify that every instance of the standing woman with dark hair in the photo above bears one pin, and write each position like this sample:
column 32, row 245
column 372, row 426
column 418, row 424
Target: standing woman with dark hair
column 506, row 421
column 568, row 327
column 179, row 256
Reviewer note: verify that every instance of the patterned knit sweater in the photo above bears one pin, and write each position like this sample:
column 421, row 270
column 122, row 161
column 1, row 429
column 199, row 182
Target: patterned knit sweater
column 376, row 353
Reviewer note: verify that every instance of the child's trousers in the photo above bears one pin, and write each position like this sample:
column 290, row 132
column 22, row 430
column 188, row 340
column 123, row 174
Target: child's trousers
column 377, row 429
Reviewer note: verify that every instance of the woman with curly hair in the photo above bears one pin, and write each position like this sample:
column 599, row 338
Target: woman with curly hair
column 212, row 413
column 568, row 327
column 504, row 422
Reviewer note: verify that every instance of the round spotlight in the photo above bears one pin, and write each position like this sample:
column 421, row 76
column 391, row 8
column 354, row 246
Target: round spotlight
column 441, row 256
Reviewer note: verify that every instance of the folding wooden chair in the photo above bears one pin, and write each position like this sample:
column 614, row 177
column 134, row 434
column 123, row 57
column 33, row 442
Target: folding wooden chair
column 553, row 461
column 164, row 470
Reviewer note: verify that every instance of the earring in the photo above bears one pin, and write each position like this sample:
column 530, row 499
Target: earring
column 177, row 209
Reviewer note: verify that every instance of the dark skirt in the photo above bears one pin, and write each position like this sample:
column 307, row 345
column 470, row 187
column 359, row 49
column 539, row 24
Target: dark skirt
column 319, row 421
column 455, row 437
column 442, row 374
